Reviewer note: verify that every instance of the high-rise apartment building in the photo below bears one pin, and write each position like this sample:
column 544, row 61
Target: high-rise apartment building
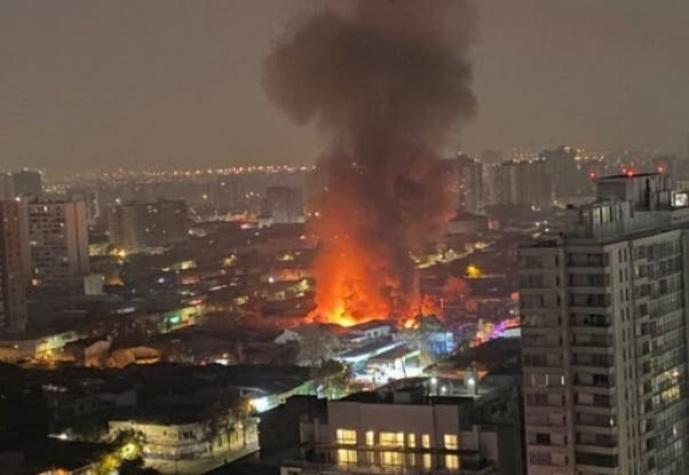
column 12, row 278
column 6, row 187
column 604, row 312
column 58, row 238
column 136, row 227
column 27, row 183
column 284, row 204
column 521, row 183
column 470, row 193
column 90, row 196
column 566, row 174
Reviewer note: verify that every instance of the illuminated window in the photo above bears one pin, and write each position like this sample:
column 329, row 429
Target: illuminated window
column 411, row 460
column 391, row 439
column 411, row 440
column 426, row 441
column 370, row 437
column 346, row 456
column 427, row 461
column 391, row 459
column 451, row 442
column 346, row 436
column 452, row 462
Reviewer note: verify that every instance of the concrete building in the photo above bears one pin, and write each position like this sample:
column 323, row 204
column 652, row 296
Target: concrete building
column 176, row 437
column 136, row 227
column 471, row 193
column 405, row 431
column 27, row 183
column 524, row 183
column 604, row 325
column 12, row 272
column 284, row 205
column 464, row 180
column 6, row 187
column 58, row 238
column 92, row 200
column 567, row 176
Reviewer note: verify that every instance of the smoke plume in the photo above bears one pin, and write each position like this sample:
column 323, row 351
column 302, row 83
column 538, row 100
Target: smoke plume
column 387, row 82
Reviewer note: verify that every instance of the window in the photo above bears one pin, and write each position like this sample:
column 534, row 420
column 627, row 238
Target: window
column 346, row 456
column 391, row 439
column 452, row 462
column 370, row 437
column 346, row 436
column 426, row 441
column 411, row 440
column 392, row 459
column 450, row 441
column 427, row 461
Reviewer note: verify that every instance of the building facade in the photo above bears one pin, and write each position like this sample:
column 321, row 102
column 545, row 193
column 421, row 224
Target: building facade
column 405, row 431
column 520, row 183
column 604, row 334
column 284, row 205
column 12, row 271
column 136, row 227
column 27, row 183
column 471, row 193
column 58, row 239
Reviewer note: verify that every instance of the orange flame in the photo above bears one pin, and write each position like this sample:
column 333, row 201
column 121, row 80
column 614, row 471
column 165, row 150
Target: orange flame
column 347, row 290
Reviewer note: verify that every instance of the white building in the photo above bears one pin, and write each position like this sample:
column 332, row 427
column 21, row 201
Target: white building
column 189, row 439
column 405, row 432
column 604, row 332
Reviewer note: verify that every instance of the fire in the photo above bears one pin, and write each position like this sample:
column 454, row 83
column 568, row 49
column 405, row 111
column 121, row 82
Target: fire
column 388, row 91
column 347, row 288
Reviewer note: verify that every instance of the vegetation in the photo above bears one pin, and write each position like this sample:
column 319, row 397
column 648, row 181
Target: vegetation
column 126, row 450
column 335, row 378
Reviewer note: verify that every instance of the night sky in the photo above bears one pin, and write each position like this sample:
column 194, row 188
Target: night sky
column 151, row 83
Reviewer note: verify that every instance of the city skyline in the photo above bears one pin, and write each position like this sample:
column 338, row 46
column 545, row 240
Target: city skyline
column 158, row 85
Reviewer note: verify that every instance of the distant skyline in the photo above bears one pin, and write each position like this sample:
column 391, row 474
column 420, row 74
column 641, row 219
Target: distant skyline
column 158, row 83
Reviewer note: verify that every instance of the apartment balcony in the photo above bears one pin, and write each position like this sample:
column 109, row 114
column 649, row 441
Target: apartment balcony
column 593, row 348
column 595, row 388
column 600, row 449
column 596, row 429
column 584, row 329
column 588, row 289
column 598, row 409
column 603, row 464
column 550, row 446
column 325, row 461
column 598, row 469
column 547, row 426
column 592, row 368
column 314, row 468
column 588, row 308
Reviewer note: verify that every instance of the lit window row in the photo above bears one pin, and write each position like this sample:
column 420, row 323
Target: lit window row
column 394, row 439
column 396, row 459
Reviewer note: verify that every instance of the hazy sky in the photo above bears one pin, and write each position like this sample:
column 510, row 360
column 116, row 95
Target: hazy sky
column 136, row 83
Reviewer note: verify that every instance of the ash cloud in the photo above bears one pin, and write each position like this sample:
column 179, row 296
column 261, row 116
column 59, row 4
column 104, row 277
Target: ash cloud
column 388, row 84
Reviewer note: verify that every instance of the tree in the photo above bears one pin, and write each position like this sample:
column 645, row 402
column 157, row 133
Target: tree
column 136, row 467
column 335, row 377
column 126, row 447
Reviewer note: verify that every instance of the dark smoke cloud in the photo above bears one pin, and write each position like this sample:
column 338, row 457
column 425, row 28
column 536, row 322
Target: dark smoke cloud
column 388, row 83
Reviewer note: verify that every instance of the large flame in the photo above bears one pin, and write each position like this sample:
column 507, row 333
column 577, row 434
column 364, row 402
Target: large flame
column 356, row 278
column 388, row 84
